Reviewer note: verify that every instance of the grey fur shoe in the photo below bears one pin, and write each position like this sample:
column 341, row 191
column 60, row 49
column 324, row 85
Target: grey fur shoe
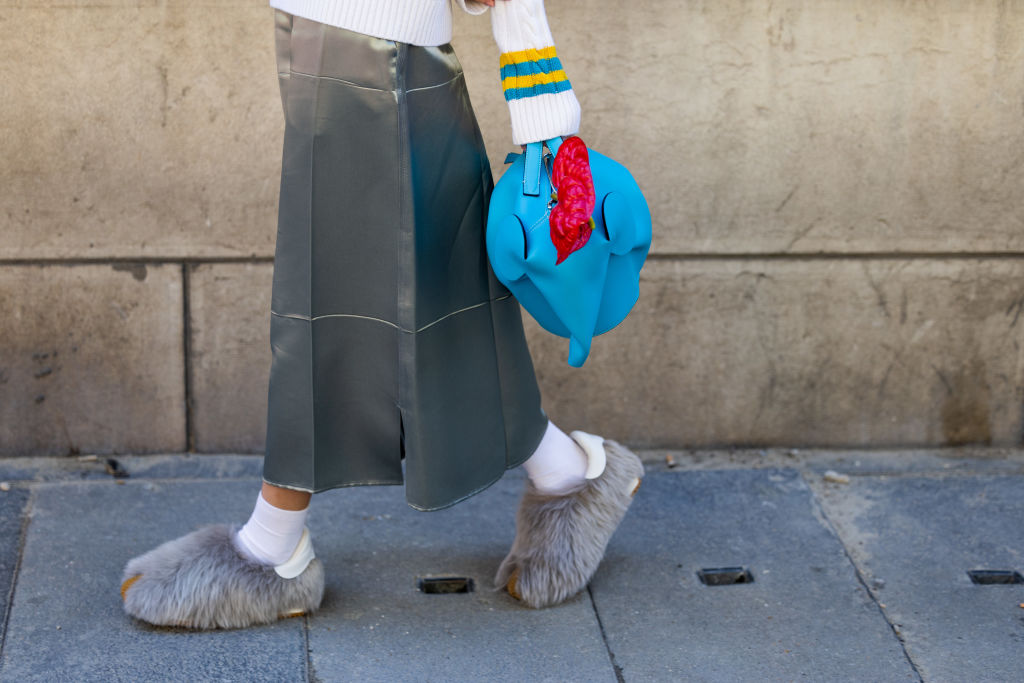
column 202, row 581
column 560, row 540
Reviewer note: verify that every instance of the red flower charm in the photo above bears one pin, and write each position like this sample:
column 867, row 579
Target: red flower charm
column 571, row 218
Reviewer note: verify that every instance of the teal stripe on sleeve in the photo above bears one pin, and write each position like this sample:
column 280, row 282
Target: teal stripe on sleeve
column 542, row 66
column 542, row 89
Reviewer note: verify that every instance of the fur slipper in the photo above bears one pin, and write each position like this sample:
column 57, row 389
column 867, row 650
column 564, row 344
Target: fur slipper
column 560, row 540
column 202, row 581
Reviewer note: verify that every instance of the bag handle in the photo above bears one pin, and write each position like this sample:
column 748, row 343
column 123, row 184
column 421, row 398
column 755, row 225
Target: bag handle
column 534, row 161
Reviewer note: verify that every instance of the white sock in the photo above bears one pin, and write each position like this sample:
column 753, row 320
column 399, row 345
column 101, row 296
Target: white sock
column 271, row 534
column 558, row 464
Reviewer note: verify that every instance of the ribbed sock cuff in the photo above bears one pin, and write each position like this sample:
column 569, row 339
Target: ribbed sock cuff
column 271, row 534
column 558, row 465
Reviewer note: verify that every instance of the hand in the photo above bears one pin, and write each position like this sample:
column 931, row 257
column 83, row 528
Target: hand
column 489, row 3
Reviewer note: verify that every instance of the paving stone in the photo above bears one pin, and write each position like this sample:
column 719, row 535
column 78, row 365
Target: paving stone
column 66, row 621
column 91, row 359
column 192, row 466
column 12, row 506
column 176, row 466
column 966, row 460
column 915, row 538
column 830, row 353
column 805, row 616
column 376, row 626
column 229, row 304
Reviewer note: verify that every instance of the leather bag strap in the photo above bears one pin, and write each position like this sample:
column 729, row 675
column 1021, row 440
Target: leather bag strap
column 534, row 160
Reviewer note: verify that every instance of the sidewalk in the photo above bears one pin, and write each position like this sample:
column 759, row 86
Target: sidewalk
column 856, row 577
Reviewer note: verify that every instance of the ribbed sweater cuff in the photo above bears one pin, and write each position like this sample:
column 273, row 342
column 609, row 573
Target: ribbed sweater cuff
column 540, row 98
column 544, row 117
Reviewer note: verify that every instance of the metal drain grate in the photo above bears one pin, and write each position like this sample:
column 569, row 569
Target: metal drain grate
column 725, row 576
column 994, row 577
column 446, row 584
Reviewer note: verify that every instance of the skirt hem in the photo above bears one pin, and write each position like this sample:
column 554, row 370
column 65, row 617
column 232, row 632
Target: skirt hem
column 350, row 484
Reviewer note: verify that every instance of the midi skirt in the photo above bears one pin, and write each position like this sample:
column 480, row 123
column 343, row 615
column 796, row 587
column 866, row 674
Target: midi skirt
column 390, row 337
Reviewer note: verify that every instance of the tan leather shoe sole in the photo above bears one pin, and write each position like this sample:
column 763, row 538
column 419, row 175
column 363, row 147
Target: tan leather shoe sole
column 511, row 585
column 128, row 584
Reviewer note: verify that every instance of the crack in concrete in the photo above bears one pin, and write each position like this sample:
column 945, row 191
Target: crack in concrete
column 619, row 676
column 26, row 515
column 819, row 511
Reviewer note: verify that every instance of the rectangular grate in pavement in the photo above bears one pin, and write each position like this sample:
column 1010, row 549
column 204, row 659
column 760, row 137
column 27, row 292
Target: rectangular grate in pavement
column 725, row 576
column 994, row 577
column 446, row 584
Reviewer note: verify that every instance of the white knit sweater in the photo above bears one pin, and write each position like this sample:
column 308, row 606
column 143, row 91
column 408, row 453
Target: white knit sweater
column 540, row 99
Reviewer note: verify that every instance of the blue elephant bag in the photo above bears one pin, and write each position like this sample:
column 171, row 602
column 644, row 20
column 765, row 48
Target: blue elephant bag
column 593, row 288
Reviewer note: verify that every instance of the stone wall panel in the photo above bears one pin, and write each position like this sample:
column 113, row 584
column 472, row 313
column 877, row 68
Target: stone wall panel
column 154, row 129
column 826, row 352
column 135, row 129
column 91, row 359
column 229, row 307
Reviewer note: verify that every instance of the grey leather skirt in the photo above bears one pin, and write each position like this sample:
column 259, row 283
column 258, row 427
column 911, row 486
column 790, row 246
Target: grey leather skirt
column 390, row 335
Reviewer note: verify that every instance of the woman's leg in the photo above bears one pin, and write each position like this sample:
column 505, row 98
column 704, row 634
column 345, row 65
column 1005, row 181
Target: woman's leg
column 222, row 575
column 285, row 499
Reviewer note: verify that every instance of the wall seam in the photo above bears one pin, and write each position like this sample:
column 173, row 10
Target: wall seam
column 186, row 309
column 653, row 256
column 149, row 260
column 838, row 256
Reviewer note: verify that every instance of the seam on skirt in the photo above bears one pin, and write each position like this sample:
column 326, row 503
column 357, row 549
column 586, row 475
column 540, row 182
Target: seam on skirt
column 437, row 85
column 338, row 80
column 321, row 489
column 292, row 72
column 388, row 322
column 312, row 179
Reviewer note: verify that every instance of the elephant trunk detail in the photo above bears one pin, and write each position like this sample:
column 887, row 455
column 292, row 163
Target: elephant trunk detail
column 571, row 218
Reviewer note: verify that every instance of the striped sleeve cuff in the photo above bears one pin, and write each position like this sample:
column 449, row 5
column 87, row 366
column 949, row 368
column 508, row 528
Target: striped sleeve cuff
column 528, row 73
column 540, row 98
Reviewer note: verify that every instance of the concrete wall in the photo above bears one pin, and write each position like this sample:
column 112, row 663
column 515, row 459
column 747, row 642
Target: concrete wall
column 837, row 189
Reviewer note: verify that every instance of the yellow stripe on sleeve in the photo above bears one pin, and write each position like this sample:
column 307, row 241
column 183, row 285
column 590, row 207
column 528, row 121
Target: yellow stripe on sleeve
column 531, row 80
column 531, row 55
